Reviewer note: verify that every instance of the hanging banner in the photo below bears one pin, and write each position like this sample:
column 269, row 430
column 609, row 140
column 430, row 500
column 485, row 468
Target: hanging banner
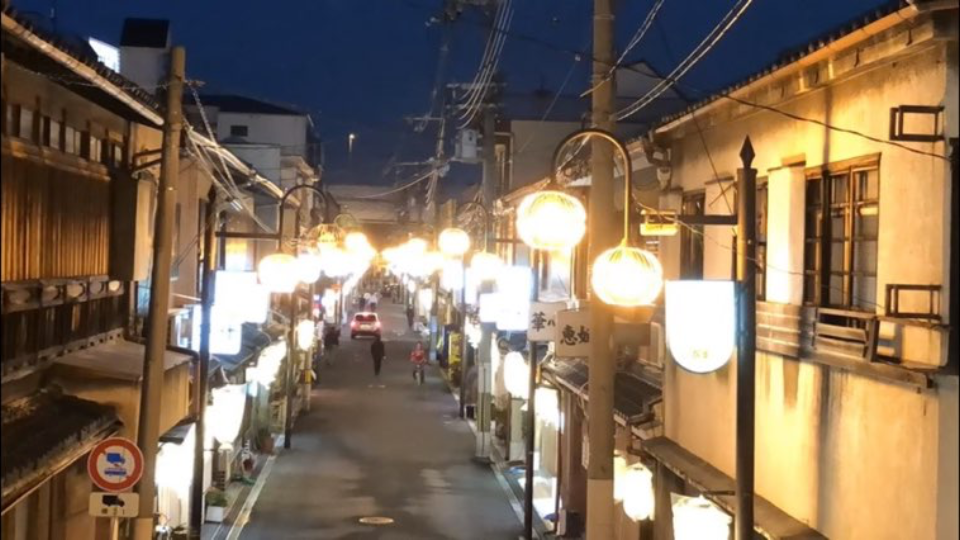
column 573, row 333
column 543, row 320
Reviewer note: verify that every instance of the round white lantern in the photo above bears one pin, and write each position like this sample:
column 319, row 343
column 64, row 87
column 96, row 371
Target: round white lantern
column 638, row 497
column 485, row 265
column 696, row 518
column 309, row 267
column 279, row 273
column 306, row 334
column 516, row 375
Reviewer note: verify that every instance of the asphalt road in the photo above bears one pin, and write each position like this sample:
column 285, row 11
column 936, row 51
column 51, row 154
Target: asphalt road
column 386, row 448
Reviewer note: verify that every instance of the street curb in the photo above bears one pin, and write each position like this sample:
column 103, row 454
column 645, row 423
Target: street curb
column 494, row 464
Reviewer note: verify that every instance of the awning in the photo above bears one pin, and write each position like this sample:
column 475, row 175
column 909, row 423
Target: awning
column 770, row 520
column 633, row 398
column 253, row 341
column 43, row 434
column 120, row 359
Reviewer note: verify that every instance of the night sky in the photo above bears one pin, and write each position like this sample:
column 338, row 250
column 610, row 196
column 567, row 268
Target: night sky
column 361, row 66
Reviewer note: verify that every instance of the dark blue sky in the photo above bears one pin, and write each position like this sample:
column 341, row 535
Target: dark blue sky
column 361, row 66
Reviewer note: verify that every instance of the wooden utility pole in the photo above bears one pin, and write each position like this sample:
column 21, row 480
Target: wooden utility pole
column 151, row 392
column 602, row 235
column 747, row 342
column 203, row 370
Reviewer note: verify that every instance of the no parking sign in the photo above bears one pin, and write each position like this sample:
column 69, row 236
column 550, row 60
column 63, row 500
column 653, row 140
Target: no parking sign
column 115, row 465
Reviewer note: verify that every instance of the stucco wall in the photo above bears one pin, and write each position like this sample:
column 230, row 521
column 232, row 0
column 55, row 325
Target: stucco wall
column 854, row 457
column 287, row 131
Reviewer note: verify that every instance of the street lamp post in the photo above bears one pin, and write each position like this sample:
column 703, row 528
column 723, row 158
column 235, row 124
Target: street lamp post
column 279, row 271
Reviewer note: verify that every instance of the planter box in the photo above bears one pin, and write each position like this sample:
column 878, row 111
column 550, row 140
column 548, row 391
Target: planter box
column 216, row 514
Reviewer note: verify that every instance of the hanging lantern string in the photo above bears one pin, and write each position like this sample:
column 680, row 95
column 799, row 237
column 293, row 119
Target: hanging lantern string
column 627, row 168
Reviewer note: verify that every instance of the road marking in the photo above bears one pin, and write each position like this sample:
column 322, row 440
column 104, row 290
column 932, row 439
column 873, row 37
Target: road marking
column 247, row 509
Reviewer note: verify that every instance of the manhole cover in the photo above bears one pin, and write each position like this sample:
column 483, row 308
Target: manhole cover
column 377, row 521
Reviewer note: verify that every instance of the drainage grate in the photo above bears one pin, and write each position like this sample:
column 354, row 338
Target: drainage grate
column 376, row 521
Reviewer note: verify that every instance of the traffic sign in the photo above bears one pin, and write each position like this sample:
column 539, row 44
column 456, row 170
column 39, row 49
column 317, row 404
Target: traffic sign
column 115, row 465
column 114, row 505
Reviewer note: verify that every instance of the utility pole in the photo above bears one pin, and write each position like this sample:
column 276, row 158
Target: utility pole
column 747, row 346
column 488, row 194
column 203, row 370
column 151, row 392
column 602, row 234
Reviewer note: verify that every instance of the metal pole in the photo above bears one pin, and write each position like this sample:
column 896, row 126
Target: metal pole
column 463, row 339
column 203, row 370
column 289, row 375
column 151, row 392
column 747, row 349
column 114, row 528
column 603, row 234
column 531, row 418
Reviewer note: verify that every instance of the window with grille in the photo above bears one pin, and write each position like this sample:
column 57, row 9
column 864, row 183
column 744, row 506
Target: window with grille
column 841, row 237
column 691, row 237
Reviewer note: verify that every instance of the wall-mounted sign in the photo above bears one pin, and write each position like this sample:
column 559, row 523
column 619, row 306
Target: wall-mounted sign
column 701, row 323
column 242, row 296
column 542, row 323
column 573, row 333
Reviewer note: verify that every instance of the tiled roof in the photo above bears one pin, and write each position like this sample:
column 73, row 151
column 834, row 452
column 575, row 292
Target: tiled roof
column 43, row 431
column 64, row 45
column 633, row 398
column 794, row 54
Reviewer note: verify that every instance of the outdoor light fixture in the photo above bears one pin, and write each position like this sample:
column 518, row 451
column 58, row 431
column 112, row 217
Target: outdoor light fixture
column 696, row 518
column 516, row 375
column 225, row 414
column 451, row 277
column 485, row 265
column 551, row 220
column 548, row 406
column 278, row 273
column 306, row 334
column 268, row 364
column 454, row 242
column 638, row 497
column 701, row 323
column 356, row 242
column 308, row 267
column 619, row 471
column 627, row 276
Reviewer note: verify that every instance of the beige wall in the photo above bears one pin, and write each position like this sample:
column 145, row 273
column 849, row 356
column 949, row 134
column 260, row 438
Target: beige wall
column 854, row 457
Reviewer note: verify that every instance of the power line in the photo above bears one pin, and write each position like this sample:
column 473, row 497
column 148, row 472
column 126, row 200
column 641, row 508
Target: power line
column 720, row 94
column 701, row 50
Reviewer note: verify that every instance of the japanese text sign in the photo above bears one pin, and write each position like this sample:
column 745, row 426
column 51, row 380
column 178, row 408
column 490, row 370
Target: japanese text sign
column 543, row 321
column 573, row 333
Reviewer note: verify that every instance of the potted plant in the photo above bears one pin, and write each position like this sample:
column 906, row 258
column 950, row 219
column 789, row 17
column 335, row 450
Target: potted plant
column 216, row 505
column 265, row 441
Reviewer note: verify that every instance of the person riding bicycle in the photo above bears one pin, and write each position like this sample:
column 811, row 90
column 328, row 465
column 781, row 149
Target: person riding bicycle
column 418, row 357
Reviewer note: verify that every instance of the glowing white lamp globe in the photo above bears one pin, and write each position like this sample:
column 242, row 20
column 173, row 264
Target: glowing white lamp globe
column 701, row 323
column 620, row 466
column 551, row 220
column 638, row 498
column 225, row 414
column 627, row 276
column 516, row 375
column 336, row 262
column 309, row 267
column 548, row 406
column 356, row 241
column 485, row 265
column 454, row 242
column 278, row 273
column 696, row 518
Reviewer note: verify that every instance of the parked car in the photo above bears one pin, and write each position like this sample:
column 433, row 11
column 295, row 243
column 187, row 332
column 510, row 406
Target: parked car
column 365, row 324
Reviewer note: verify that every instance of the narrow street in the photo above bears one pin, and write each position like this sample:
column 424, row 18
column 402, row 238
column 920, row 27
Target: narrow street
column 381, row 449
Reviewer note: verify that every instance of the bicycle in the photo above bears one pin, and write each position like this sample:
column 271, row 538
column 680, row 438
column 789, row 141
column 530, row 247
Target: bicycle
column 418, row 374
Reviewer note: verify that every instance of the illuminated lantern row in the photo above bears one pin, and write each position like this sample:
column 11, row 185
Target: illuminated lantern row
column 306, row 334
column 224, row 415
column 696, row 518
column 454, row 242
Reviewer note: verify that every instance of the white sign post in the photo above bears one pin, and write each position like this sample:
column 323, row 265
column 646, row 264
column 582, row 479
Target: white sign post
column 543, row 321
column 573, row 333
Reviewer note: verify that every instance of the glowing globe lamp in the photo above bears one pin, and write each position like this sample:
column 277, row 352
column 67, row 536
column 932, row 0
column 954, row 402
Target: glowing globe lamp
column 356, row 242
column 486, row 265
column 309, row 267
column 551, row 220
column 306, row 334
column 279, row 273
column 627, row 276
column 454, row 242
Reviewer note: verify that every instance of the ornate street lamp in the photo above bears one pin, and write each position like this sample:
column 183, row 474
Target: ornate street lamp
column 485, row 265
column 278, row 273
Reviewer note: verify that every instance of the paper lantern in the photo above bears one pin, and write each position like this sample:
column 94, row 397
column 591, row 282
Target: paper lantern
column 278, row 273
column 516, row 375
column 454, row 242
column 696, row 518
column 701, row 323
column 627, row 276
column 551, row 220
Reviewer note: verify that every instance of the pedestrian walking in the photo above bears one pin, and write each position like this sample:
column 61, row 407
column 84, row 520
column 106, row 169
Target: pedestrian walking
column 410, row 315
column 331, row 342
column 374, row 300
column 378, row 352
